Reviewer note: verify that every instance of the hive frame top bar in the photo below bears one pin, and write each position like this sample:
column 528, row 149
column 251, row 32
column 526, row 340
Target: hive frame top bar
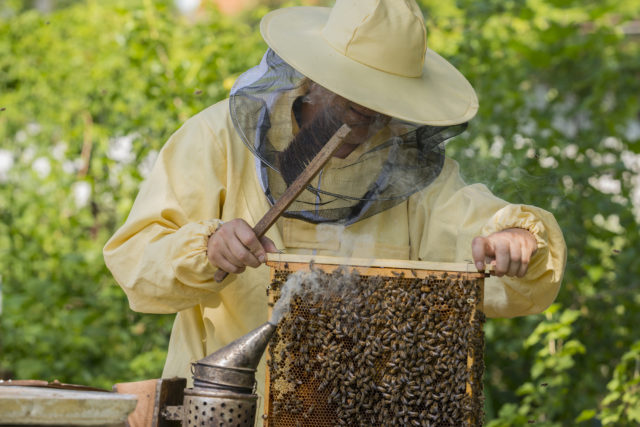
column 464, row 267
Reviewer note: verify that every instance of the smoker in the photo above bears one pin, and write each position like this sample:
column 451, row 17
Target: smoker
column 223, row 392
column 380, row 342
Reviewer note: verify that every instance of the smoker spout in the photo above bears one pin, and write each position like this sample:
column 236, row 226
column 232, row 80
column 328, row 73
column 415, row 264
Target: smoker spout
column 245, row 352
column 233, row 366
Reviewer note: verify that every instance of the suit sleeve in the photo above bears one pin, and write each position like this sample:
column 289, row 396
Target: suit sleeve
column 444, row 219
column 159, row 255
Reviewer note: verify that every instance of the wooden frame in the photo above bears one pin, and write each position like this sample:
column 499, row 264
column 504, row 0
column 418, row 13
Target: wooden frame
column 371, row 267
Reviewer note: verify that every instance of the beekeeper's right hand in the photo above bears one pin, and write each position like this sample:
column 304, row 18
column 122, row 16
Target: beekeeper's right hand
column 234, row 246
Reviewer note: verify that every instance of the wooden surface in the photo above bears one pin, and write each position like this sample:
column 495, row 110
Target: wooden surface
column 410, row 268
column 49, row 384
column 142, row 416
column 153, row 395
column 48, row 406
column 170, row 392
column 294, row 190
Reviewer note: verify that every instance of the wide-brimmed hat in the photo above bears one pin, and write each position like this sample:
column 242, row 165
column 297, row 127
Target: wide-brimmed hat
column 374, row 53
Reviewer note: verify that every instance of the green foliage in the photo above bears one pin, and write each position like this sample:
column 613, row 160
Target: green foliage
column 550, row 380
column 622, row 403
column 90, row 93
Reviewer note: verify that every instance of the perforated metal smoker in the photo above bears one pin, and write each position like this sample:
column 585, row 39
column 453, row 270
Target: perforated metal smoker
column 223, row 392
column 401, row 344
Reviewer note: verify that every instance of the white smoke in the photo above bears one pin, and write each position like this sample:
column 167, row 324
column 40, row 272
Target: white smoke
column 294, row 286
column 347, row 244
column 315, row 285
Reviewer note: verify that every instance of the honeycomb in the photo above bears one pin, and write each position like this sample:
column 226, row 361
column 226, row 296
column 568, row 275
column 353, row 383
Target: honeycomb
column 376, row 346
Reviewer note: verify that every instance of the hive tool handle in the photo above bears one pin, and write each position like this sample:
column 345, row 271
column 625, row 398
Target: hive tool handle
column 294, row 190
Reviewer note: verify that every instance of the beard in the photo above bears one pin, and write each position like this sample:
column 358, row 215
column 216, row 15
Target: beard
column 307, row 143
column 315, row 134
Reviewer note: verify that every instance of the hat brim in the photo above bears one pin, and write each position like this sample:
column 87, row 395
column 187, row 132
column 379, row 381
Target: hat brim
column 442, row 96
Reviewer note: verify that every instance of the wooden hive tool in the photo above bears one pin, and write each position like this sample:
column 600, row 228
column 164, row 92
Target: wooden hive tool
column 294, row 190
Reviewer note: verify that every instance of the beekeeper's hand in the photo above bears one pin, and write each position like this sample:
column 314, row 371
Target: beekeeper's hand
column 508, row 250
column 234, row 246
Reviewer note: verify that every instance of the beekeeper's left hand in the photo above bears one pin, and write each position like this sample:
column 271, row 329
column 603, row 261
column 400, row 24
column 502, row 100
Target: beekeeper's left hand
column 509, row 251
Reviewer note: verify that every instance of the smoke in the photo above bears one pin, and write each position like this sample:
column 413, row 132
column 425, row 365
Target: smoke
column 316, row 285
column 292, row 286
column 349, row 244
column 298, row 283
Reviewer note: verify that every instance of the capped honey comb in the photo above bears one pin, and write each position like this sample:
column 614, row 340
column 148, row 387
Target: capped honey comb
column 375, row 345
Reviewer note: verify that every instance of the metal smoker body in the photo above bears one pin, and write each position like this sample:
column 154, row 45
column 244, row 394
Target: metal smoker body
column 223, row 392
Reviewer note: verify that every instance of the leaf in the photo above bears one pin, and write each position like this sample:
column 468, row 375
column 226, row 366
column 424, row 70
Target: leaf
column 586, row 415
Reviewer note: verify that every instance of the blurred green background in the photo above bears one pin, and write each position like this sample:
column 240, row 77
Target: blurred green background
column 90, row 91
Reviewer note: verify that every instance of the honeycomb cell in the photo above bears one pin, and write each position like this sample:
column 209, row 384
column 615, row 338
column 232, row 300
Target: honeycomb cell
column 359, row 348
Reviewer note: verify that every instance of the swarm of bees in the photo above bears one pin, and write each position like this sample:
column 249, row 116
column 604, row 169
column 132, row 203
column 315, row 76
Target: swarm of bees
column 372, row 350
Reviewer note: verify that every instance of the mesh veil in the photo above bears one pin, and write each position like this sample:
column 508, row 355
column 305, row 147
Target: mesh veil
column 393, row 162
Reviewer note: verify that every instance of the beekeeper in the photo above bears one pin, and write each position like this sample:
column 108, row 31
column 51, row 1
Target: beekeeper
column 389, row 192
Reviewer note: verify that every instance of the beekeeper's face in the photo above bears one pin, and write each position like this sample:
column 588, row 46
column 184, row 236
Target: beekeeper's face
column 363, row 121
